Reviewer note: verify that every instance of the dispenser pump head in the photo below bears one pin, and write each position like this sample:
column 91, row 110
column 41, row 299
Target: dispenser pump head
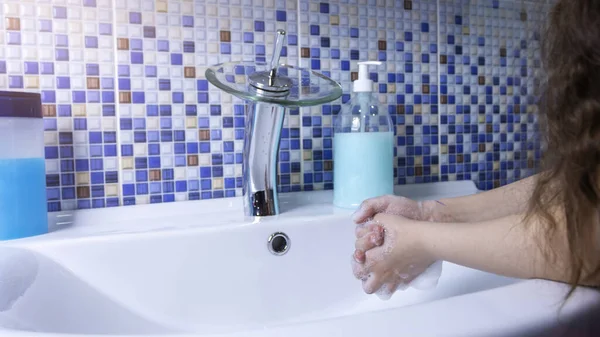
column 364, row 83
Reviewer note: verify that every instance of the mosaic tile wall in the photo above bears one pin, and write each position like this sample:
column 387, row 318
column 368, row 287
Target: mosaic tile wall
column 489, row 59
column 130, row 118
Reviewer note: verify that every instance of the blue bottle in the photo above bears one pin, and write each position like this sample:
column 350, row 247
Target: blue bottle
column 23, row 205
column 363, row 147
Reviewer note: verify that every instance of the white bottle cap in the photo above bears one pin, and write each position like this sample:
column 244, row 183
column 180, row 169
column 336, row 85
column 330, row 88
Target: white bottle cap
column 364, row 83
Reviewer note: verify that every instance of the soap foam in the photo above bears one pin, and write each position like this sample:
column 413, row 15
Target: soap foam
column 429, row 278
column 357, row 269
column 415, row 277
column 425, row 281
column 384, row 293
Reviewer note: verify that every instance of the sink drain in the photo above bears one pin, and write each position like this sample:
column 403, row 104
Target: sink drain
column 278, row 243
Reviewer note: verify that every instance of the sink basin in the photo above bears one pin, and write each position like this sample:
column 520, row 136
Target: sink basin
column 202, row 268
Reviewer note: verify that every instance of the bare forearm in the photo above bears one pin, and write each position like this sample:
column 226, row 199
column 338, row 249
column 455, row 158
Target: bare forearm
column 503, row 201
column 497, row 246
column 505, row 246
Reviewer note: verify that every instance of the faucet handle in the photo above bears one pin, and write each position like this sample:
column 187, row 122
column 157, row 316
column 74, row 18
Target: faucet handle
column 267, row 81
column 280, row 37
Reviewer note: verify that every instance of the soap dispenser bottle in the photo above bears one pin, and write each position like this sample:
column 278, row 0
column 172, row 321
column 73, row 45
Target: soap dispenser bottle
column 363, row 146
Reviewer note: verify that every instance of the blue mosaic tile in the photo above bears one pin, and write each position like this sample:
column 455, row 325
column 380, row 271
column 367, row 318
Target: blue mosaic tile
column 148, row 109
column 342, row 34
column 51, row 60
column 487, row 63
column 182, row 123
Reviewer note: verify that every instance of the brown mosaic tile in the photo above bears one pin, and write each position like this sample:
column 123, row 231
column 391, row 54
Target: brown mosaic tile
column 49, row 110
column 304, row 52
column 13, row 24
column 93, row 83
column 122, row 44
column 225, row 36
column 419, row 171
column 192, row 160
column 83, row 192
column 189, row 72
column 155, row 175
column 204, row 134
column 125, row 97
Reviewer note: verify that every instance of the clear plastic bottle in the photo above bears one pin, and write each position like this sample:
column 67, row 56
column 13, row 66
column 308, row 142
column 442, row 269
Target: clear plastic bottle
column 363, row 146
column 23, row 206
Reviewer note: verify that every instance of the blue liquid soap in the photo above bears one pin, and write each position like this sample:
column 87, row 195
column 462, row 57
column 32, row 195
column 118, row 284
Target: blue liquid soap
column 23, row 207
column 363, row 167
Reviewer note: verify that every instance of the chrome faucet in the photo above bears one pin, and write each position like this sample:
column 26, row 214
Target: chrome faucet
column 263, row 130
column 270, row 89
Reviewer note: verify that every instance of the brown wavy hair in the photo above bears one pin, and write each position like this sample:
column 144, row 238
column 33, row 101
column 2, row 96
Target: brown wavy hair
column 567, row 191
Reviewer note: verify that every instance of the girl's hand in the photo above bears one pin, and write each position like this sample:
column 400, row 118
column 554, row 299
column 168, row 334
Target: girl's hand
column 417, row 210
column 394, row 254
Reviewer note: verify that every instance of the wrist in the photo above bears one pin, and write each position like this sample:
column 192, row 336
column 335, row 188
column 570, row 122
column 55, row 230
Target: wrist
column 436, row 211
column 427, row 235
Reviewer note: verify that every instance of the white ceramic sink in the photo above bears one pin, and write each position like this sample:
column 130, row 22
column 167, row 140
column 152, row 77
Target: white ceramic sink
column 201, row 268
